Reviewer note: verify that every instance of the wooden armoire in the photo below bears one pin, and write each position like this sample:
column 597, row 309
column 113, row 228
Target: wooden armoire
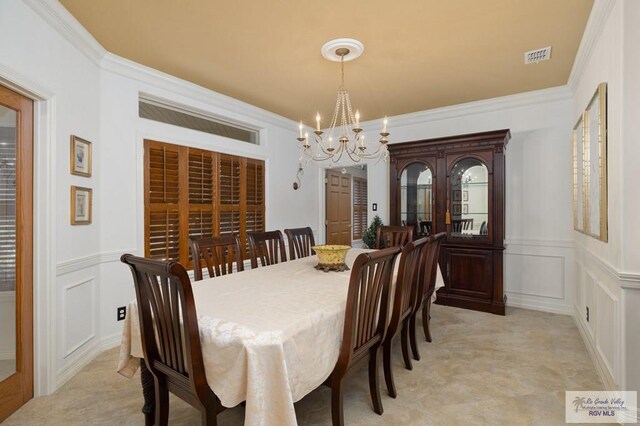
column 456, row 185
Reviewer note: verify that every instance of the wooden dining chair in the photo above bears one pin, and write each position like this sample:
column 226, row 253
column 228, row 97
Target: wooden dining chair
column 425, row 291
column 217, row 253
column 405, row 293
column 393, row 236
column 170, row 337
column 267, row 247
column 300, row 242
column 365, row 325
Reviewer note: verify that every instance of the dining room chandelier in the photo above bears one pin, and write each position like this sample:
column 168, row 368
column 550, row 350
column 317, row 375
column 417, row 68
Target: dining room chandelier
column 344, row 136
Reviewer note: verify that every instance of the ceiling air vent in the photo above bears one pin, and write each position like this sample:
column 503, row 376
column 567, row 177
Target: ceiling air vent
column 535, row 56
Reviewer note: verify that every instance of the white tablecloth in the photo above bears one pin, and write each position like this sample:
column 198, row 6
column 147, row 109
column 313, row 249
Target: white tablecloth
column 269, row 335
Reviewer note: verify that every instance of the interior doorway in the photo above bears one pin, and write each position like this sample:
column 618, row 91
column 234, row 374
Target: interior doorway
column 346, row 204
column 16, row 251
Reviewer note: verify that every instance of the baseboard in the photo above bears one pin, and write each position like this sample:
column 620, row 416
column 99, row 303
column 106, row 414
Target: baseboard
column 110, row 342
column 603, row 371
column 522, row 301
column 86, row 355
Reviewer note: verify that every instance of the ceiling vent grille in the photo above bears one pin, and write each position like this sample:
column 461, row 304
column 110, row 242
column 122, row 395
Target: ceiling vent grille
column 535, row 56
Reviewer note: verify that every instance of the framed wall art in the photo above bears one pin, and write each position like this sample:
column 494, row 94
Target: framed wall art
column 81, row 205
column 80, row 156
column 595, row 153
column 590, row 168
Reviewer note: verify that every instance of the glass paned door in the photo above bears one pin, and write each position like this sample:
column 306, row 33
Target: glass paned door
column 16, row 251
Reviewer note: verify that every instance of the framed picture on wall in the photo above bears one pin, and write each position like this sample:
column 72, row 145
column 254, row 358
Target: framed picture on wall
column 465, row 208
column 465, row 195
column 579, row 206
column 81, row 205
column 80, row 156
column 457, row 209
column 457, row 195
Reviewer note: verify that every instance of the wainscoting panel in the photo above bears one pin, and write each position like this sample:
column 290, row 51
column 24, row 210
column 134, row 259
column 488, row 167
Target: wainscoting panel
column 539, row 275
column 78, row 315
column 607, row 329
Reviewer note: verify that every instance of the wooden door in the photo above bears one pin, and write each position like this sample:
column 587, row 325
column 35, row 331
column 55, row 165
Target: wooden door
column 16, row 250
column 338, row 208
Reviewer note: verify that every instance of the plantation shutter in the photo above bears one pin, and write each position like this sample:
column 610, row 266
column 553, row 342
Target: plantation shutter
column 359, row 207
column 229, row 178
column 196, row 193
column 163, row 196
column 201, row 194
column 255, row 207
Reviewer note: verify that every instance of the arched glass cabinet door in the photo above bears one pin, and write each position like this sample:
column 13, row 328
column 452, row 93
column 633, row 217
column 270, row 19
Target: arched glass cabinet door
column 416, row 198
column 469, row 199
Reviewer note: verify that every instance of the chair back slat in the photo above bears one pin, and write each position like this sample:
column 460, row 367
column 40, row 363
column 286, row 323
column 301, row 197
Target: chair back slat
column 266, row 247
column 300, row 242
column 427, row 276
column 393, row 236
column 219, row 254
column 367, row 302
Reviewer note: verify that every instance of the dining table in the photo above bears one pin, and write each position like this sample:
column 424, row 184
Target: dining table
column 269, row 335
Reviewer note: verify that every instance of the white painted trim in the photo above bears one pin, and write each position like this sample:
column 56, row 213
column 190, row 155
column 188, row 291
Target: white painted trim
column 517, row 300
column 626, row 280
column 82, row 357
column 601, row 368
column 89, row 261
column 597, row 19
column 44, row 131
column 53, row 13
column 110, row 342
column 539, row 243
column 480, row 107
column 69, row 351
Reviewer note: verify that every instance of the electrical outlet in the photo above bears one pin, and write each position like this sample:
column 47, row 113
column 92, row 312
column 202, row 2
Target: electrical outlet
column 587, row 314
column 122, row 312
column 374, row 207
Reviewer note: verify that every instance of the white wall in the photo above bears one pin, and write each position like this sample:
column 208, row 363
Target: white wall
column 538, row 257
column 608, row 273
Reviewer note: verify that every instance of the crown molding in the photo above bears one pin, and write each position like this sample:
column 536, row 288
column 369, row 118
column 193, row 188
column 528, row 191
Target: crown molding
column 68, row 27
column 158, row 79
column 517, row 100
column 597, row 18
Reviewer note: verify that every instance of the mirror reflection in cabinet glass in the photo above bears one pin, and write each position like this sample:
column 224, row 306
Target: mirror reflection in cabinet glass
column 469, row 198
column 416, row 198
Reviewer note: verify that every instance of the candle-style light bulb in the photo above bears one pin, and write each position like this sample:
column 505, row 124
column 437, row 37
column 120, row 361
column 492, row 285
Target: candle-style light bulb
column 357, row 119
column 300, row 128
column 318, row 121
column 330, row 142
column 362, row 141
column 384, row 125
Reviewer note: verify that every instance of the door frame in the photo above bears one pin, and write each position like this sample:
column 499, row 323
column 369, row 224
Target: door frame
column 322, row 198
column 44, row 251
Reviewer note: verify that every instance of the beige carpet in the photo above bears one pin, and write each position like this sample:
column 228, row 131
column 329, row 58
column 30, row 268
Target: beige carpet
column 480, row 369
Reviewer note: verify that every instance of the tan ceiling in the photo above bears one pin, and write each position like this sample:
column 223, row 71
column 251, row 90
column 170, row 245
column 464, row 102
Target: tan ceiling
column 419, row 54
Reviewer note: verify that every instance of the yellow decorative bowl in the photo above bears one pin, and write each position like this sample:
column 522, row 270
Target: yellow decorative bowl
column 331, row 257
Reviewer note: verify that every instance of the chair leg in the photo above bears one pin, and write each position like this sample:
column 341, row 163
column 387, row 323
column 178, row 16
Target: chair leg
column 412, row 336
column 426, row 315
column 209, row 418
column 405, row 346
column 162, row 402
column 388, row 372
column 337, row 412
column 374, row 382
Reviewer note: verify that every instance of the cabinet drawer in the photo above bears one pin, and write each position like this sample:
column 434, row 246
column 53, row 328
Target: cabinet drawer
column 469, row 272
